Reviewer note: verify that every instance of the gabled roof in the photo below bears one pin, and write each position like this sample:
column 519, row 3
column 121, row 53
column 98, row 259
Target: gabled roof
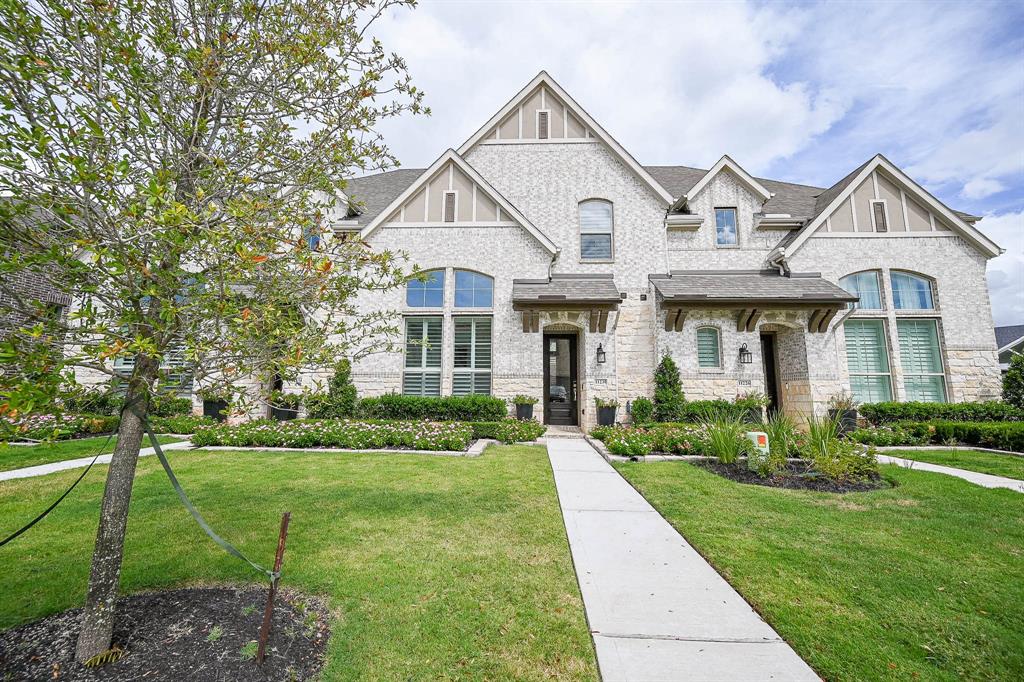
column 725, row 163
column 1007, row 337
column 451, row 156
column 371, row 194
column 749, row 287
column 597, row 131
column 788, row 198
column 832, row 198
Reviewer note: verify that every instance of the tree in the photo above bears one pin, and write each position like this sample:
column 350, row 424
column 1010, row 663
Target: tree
column 171, row 165
column 1013, row 381
column 668, row 391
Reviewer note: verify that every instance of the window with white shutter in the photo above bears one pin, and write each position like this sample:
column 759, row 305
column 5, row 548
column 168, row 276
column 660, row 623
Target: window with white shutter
column 472, row 361
column 423, row 338
column 867, row 360
column 543, row 124
column 708, row 348
column 923, row 377
column 449, row 207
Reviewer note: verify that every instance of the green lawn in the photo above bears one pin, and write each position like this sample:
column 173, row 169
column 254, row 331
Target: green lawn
column 433, row 567
column 1010, row 466
column 18, row 456
column 921, row 581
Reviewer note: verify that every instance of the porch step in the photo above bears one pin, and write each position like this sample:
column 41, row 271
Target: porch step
column 563, row 432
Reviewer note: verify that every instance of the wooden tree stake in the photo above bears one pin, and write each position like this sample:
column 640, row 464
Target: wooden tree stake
column 268, row 612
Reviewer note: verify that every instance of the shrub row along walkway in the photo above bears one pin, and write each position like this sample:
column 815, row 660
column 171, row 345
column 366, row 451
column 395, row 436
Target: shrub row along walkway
column 43, row 469
column 657, row 610
column 977, row 478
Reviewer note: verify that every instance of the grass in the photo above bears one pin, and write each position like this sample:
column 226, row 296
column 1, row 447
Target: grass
column 18, row 456
column 433, row 567
column 921, row 581
column 1010, row 466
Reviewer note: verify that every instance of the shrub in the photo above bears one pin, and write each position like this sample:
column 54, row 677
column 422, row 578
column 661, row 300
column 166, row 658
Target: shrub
column 524, row 400
column 340, row 400
column 668, row 438
column 668, row 391
column 726, row 437
column 627, row 442
column 53, row 427
column 889, row 435
column 169, row 406
column 1013, row 382
column 987, row 411
column 783, row 437
column 339, row 433
column 99, row 400
column 509, row 430
column 470, row 408
column 837, row 459
column 642, row 410
column 180, row 423
column 605, row 403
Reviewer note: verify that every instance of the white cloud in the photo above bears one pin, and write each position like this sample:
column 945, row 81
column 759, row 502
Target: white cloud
column 1006, row 272
column 979, row 188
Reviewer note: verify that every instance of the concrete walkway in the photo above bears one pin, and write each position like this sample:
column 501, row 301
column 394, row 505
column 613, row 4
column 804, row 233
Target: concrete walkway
column 984, row 480
column 657, row 610
column 53, row 467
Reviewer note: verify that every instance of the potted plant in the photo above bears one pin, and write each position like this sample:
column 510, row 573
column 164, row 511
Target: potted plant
column 524, row 406
column 215, row 403
column 751, row 406
column 606, row 411
column 283, row 406
column 843, row 409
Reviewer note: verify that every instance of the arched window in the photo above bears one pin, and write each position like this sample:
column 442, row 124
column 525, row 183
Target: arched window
column 709, row 353
column 911, row 292
column 865, row 285
column 427, row 292
column 596, row 229
column 473, row 290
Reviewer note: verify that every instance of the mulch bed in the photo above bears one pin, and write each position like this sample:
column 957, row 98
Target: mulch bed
column 793, row 476
column 201, row 634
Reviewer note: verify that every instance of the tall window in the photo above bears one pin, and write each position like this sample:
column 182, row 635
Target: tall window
column 422, row 356
column 708, row 348
column 427, row 292
column 910, row 292
column 923, row 377
column 473, row 290
column 868, row 360
column 596, row 226
column 472, row 356
column 725, row 227
column 865, row 285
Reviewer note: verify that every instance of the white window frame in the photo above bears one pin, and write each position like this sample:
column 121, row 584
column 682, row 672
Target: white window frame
column 422, row 368
column 611, row 232
column 736, row 220
column 473, row 370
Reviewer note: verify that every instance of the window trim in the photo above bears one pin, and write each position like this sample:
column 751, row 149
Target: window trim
column 611, row 233
column 736, row 222
column 718, row 346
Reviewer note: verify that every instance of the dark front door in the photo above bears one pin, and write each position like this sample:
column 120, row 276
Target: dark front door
column 560, row 379
column 771, row 377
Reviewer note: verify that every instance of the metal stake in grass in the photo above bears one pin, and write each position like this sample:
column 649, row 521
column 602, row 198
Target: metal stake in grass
column 268, row 612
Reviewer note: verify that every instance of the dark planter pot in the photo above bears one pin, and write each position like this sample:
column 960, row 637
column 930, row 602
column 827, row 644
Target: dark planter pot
column 218, row 409
column 606, row 416
column 847, row 420
column 283, row 414
column 524, row 412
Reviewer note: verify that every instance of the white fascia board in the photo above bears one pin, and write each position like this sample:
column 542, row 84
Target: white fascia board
column 1010, row 345
column 618, row 150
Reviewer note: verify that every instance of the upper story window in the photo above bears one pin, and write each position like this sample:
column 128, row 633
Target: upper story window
column 709, row 353
column 911, row 292
column 865, row 285
column 726, row 233
column 311, row 237
column 427, row 292
column 596, row 228
column 473, row 290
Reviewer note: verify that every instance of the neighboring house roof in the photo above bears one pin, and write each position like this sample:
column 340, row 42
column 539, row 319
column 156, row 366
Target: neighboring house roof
column 451, row 156
column 563, row 289
column 749, row 287
column 597, row 131
column 1007, row 337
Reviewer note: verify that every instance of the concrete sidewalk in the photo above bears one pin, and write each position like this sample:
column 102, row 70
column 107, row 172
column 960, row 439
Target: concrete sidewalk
column 54, row 467
column 657, row 610
column 984, row 480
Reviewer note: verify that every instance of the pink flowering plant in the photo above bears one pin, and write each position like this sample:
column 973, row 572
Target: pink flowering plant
column 54, row 427
column 340, row 433
column 628, row 441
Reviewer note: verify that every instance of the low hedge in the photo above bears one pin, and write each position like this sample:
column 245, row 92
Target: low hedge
column 468, row 408
column 668, row 438
column 339, row 433
column 995, row 435
column 987, row 411
column 186, row 423
column 509, row 430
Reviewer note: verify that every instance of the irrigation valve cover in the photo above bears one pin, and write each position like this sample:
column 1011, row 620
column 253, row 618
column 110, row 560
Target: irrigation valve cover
column 758, row 455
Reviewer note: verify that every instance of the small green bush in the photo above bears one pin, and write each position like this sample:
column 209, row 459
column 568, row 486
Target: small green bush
column 509, row 430
column 890, row 435
column 340, row 400
column 668, row 391
column 995, row 435
column 169, row 406
column 987, row 411
column 54, row 427
column 180, row 424
column 642, row 410
column 99, row 400
column 1013, row 382
column 726, row 436
column 470, row 408
column 835, row 458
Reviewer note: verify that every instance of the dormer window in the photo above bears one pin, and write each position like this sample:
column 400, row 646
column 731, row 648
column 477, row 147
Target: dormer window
column 543, row 125
column 449, row 207
column 725, row 227
column 879, row 216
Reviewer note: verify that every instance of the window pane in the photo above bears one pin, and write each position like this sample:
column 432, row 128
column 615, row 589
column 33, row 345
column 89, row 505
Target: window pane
column 867, row 361
column 426, row 294
column 922, row 363
column 595, row 217
column 910, row 292
column 707, row 348
column 596, row 246
column 725, row 226
column 423, row 342
column 871, row 389
column 865, row 285
column 473, row 290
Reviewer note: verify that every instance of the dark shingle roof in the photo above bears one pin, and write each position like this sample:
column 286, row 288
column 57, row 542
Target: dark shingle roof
column 1007, row 335
column 371, row 194
column 748, row 286
column 796, row 200
column 581, row 289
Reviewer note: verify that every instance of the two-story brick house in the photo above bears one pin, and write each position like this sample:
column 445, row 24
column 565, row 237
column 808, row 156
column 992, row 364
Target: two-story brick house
column 563, row 269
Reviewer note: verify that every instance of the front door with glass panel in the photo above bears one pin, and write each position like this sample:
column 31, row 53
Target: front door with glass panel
column 560, row 390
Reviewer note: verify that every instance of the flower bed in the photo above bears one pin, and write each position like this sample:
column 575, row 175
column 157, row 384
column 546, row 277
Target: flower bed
column 340, row 433
column 668, row 439
column 509, row 430
column 69, row 426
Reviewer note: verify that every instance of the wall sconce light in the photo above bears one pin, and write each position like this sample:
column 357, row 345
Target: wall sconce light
column 746, row 357
column 601, row 357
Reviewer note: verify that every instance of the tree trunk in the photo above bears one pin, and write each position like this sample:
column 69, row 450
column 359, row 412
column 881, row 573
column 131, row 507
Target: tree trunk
column 97, row 630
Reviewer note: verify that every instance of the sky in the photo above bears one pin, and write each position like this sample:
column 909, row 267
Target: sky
column 803, row 92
